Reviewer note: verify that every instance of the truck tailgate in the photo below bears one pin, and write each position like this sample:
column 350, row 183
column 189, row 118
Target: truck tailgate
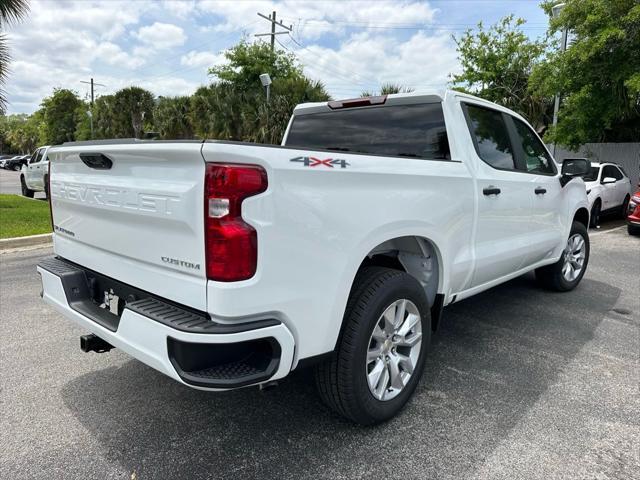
column 134, row 212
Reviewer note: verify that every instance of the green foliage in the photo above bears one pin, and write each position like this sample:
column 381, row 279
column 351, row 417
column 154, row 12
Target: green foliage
column 496, row 64
column 598, row 74
column 247, row 61
column 21, row 216
column 387, row 89
column 61, row 114
column 11, row 11
column 226, row 112
column 172, row 119
column 104, row 124
column 235, row 107
column 83, row 124
column 21, row 133
column 133, row 106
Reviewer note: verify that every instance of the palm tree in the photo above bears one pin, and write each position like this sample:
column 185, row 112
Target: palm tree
column 11, row 11
column 387, row 89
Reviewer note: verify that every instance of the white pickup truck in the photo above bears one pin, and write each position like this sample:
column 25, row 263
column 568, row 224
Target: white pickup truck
column 34, row 175
column 225, row 264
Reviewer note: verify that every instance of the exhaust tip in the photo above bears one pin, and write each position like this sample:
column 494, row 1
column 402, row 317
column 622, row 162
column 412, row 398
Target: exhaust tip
column 93, row 343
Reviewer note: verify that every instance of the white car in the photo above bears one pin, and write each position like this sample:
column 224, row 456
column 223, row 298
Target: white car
column 228, row 264
column 34, row 175
column 608, row 190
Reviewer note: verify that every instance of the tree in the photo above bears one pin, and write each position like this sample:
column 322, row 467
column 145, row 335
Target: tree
column 104, row 117
column 61, row 115
column 133, row 106
column 247, row 61
column 21, row 133
column 496, row 65
column 171, row 117
column 599, row 73
column 388, row 89
column 11, row 11
column 235, row 107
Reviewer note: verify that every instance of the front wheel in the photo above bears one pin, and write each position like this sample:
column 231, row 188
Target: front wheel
column 594, row 219
column 380, row 356
column 26, row 191
column 566, row 273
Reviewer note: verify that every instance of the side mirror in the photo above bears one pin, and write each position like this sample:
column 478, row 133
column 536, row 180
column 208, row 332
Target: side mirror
column 608, row 180
column 574, row 167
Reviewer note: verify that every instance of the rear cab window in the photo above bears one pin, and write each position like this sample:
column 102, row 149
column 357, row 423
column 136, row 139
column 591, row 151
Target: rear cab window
column 411, row 130
column 490, row 137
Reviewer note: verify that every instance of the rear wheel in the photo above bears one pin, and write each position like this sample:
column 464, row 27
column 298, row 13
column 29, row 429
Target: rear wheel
column 17, row 168
column 380, row 356
column 566, row 273
column 595, row 214
column 26, row 192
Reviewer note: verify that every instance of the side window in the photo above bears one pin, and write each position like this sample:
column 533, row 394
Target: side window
column 491, row 137
column 617, row 173
column 34, row 157
column 537, row 160
column 39, row 156
column 610, row 171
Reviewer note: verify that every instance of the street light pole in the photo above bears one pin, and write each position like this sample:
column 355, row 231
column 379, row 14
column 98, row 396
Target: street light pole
column 555, row 11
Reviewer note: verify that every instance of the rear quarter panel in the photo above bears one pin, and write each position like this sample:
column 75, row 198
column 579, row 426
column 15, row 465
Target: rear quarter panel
column 317, row 224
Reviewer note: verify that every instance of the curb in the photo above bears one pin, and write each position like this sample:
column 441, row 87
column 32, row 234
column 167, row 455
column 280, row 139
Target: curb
column 31, row 240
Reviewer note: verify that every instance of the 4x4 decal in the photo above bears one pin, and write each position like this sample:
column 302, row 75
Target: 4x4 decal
column 317, row 162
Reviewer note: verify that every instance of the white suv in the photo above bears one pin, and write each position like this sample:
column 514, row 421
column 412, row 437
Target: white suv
column 608, row 190
column 34, row 175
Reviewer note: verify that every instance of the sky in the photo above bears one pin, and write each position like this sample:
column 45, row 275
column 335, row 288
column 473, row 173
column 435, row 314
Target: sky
column 167, row 46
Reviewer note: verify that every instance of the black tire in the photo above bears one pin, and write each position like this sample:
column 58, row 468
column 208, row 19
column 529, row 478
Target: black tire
column 26, row 192
column 551, row 276
column 625, row 207
column 594, row 219
column 633, row 230
column 342, row 381
column 17, row 168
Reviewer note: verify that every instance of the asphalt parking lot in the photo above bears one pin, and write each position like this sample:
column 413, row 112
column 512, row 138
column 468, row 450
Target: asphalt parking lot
column 10, row 183
column 520, row 384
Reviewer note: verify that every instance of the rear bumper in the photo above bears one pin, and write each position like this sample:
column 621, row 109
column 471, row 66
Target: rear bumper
column 183, row 344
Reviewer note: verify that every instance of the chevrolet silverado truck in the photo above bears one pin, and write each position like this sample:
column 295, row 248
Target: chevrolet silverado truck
column 34, row 173
column 226, row 264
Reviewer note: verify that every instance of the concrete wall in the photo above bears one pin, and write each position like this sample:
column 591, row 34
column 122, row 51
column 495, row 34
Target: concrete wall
column 627, row 155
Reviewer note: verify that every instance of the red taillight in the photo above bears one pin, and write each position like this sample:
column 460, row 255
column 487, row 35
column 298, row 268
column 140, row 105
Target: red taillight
column 231, row 244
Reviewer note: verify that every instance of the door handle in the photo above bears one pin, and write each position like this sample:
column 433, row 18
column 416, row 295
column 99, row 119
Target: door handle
column 540, row 191
column 491, row 190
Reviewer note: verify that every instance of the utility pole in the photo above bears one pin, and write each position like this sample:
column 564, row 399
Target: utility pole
column 273, row 33
column 90, row 112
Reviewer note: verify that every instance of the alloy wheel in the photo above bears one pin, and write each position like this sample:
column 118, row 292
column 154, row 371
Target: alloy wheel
column 394, row 349
column 574, row 255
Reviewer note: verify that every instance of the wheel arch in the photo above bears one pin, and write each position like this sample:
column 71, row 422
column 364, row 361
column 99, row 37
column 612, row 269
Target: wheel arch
column 416, row 255
column 582, row 215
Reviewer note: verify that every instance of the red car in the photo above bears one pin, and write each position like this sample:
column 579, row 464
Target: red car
column 633, row 214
